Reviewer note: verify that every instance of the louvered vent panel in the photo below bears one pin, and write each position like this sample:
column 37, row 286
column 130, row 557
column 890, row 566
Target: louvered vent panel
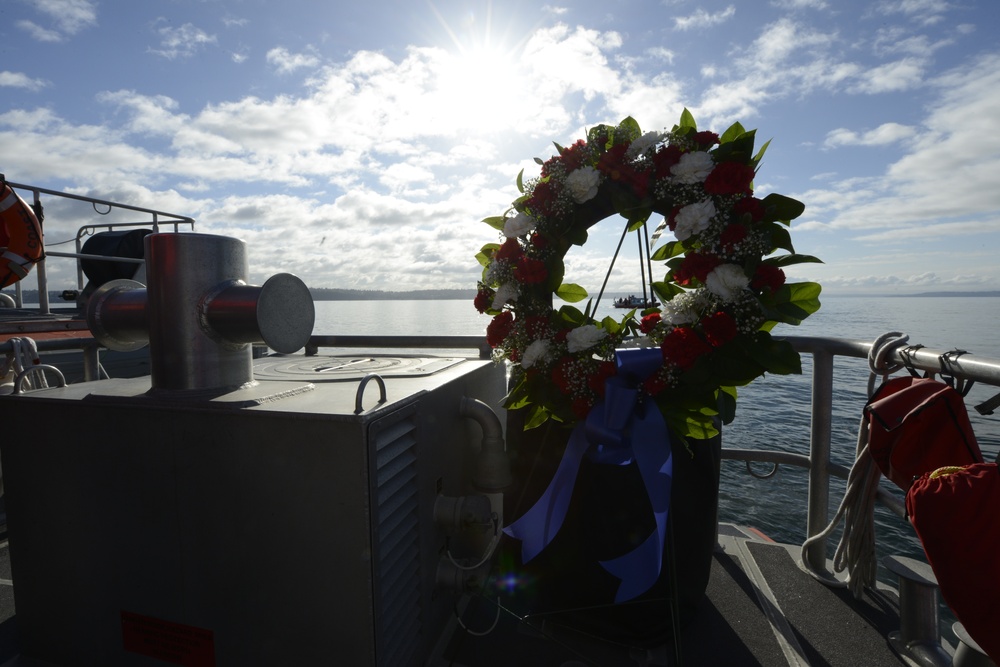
column 397, row 540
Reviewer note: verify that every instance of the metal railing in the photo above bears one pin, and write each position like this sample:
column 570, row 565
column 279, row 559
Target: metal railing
column 156, row 219
column 958, row 365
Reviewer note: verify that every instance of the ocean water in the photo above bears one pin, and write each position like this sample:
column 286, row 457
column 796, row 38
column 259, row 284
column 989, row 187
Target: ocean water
column 773, row 412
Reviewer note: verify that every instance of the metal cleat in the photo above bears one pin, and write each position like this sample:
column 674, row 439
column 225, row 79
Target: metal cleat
column 968, row 653
column 919, row 636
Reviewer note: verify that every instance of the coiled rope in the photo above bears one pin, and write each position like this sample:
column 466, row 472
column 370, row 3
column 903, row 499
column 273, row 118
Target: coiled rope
column 856, row 550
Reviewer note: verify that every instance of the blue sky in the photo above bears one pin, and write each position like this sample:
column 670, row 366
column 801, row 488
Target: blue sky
column 358, row 145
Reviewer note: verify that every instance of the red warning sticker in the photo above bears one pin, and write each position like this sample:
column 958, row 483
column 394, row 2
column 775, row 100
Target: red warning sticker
column 172, row 642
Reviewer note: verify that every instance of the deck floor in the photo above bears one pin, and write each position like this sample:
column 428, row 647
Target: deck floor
column 760, row 609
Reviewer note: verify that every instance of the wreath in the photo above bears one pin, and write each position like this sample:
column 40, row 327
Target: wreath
column 723, row 291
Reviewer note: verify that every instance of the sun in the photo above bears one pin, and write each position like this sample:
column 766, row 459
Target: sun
column 477, row 75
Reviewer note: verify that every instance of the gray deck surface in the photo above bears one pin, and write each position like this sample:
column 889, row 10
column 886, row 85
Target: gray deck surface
column 819, row 626
column 825, row 627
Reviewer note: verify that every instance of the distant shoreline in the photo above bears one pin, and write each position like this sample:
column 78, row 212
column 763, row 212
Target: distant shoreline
column 337, row 294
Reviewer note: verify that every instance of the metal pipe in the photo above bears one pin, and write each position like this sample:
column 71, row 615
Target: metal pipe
column 492, row 466
column 817, row 515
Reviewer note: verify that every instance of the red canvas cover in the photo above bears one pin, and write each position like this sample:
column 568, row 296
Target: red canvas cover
column 957, row 517
column 917, row 425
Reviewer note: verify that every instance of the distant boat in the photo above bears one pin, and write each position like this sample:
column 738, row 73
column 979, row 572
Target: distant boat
column 635, row 302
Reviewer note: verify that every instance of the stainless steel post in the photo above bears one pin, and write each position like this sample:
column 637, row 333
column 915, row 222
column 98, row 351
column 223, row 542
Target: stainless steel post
column 819, row 457
column 181, row 270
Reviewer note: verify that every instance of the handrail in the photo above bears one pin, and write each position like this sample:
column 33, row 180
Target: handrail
column 954, row 363
column 40, row 272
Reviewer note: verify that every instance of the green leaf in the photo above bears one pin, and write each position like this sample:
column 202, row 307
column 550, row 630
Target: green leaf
column 727, row 404
column 496, row 221
column 760, row 154
column 687, row 120
column 537, row 415
column 777, row 356
column 779, row 208
column 485, row 256
column 611, row 325
column 668, row 250
column 737, row 150
column 520, row 181
column 789, row 260
column 731, row 133
column 571, row 292
column 780, row 238
column 793, row 303
column 572, row 316
column 666, row 291
column 629, row 129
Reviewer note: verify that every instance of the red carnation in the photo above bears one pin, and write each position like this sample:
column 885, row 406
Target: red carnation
column 665, row 158
column 767, row 276
column 596, row 380
column 750, row 206
column 510, row 249
column 537, row 327
column 655, row 383
column 719, row 328
column 706, row 139
column 581, row 406
column 539, row 241
column 499, row 328
column 543, row 198
column 562, row 374
column 730, row 178
column 574, row 156
column 649, row 322
column 732, row 236
column 695, row 267
column 531, row 271
column 683, row 346
column 613, row 162
column 484, row 299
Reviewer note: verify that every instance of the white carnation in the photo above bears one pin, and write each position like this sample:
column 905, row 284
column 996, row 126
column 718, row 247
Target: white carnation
column 727, row 281
column 582, row 183
column 538, row 350
column 684, row 308
column 584, row 337
column 519, row 225
column 693, row 167
column 642, row 144
column 693, row 219
column 505, row 293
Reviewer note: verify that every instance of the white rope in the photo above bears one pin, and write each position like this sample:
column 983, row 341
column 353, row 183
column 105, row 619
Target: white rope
column 856, row 550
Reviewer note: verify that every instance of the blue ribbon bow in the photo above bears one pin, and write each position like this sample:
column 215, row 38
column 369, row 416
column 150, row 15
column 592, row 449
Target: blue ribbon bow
column 619, row 428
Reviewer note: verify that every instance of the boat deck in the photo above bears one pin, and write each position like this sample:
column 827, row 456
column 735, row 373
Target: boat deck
column 760, row 609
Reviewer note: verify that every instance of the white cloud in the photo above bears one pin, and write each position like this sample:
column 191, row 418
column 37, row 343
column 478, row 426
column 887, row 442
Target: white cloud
column 924, row 12
column 287, row 62
column 20, row 80
column 40, row 33
column 891, row 77
column 704, row 19
column 69, row 17
column 799, row 4
column 887, row 133
column 181, row 42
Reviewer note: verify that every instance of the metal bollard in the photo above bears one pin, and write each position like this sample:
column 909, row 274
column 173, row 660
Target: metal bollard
column 198, row 314
column 919, row 636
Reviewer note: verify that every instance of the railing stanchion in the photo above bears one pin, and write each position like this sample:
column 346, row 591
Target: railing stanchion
column 819, row 456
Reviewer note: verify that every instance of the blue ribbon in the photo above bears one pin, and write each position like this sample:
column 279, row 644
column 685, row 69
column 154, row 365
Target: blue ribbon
column 619, row 428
